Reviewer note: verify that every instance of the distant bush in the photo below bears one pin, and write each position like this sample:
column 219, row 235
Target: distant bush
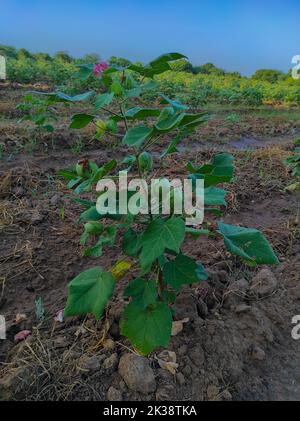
column 267, row 75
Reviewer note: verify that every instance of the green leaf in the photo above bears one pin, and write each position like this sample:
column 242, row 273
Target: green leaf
column 215, row 196
column 172, row 148
column 103, row 100
column 84, row 186
column 248, row 243
column 133, row 93
column 142, row 70
column 103, row 171
column 49, row 128
column 76, row 98
column 201, row 272
column 294, row 187
column 138, row 113
column 145, row 161
column 67, row 174
column 165, row 58
column 142, row 290
column 183, row 270
column 209, row 180
column 85, row 71
column 90, row 228
column 223, row 160
column 175, row 104
column 73, row 182
column 62, row 97
column 169, row 123
column 149, row 86
column 147, row 328
column 131, row 242
column 214, row 211
column 89, row 292
column 83, row 202
column 90, row 214
column 296, row 171
column 116, row 88
column 129, row 160
column 220, row 169
column 108, row 238
column 161, row 235
column 197, row 232
column 81, row 120
column 193, row 120
column 157, row 66
column 136, row 136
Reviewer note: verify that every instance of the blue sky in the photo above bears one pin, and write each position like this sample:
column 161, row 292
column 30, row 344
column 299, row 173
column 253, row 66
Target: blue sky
column 241, row 35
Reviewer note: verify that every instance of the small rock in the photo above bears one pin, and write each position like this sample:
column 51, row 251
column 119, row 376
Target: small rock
column 20, row 317
column 242, row 308
column 108, row 344
column 202, row 308
column 90, row 363
column 137, row 373
column 111, row 362
column 115, row 330
column 180, row 379
column 80, row 331
column 295, row 292
column 223, row 265
column 117, row 310
column 185, row 307
column 18, row 191
column 164, row 392
column 236, row 293
column 114, row 394
column 198, row 323
column 71, row 354
column 36, row 218
column 226, row 395
column 187, row 370
column 177, row 326
column 212, row 391
column 61, row 342
column 167, row 361
column 122, row 386
column 258, row 353
column 182, row 350
column 55, row 199
column 197, row 356
column 223, row 276
column 264, row 283
column 219, row 275
column 10, row 384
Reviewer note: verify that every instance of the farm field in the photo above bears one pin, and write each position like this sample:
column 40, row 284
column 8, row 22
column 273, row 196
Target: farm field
column 235, row 342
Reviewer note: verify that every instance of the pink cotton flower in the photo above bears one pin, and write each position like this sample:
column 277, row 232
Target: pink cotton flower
column 59, row 316
column 21, row 336
column 100, row 67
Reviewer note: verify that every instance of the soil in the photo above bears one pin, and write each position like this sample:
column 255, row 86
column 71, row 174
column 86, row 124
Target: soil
column 236, row 344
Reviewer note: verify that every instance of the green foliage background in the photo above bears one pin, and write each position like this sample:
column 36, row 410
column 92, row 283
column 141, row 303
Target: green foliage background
column 195, row 85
